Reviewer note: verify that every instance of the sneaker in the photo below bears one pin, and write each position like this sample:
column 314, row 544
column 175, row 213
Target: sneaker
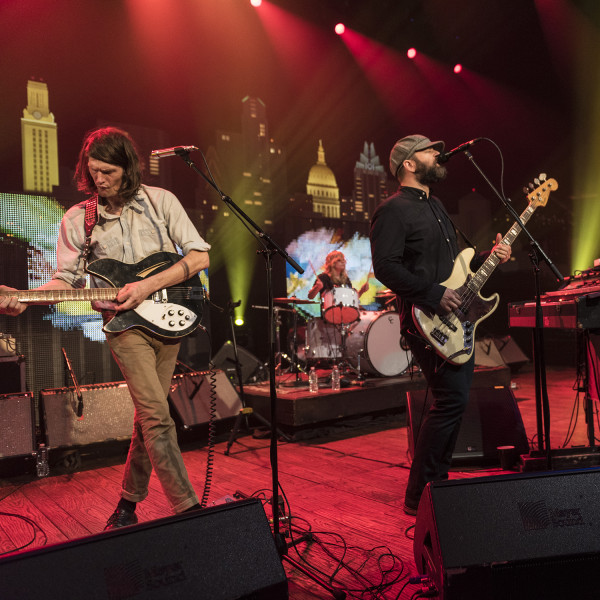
column 121, row 518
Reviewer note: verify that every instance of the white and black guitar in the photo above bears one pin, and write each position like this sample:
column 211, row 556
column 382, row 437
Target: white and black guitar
column 170, row 313
column 453, row 335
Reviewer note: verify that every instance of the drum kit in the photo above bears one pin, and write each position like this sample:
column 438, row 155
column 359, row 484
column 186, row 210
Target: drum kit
column 366, row 342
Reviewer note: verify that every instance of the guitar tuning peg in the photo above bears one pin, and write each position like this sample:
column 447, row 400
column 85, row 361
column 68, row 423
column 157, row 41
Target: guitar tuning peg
column 543, row 177
column 531, row 186
column 526, row 190
column 536, row 181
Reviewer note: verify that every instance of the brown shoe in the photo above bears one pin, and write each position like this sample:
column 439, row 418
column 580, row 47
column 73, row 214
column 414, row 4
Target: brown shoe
column 121, row 518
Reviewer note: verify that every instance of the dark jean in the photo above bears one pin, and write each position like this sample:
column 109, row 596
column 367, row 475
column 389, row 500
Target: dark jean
column 448, row 395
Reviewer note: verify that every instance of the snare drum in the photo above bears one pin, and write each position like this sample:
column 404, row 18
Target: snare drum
column 377, row 338
column 340, row 306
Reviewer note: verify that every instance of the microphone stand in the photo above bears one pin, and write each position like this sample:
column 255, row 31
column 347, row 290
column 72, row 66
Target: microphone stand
column 541, row 390
column 79, row 411
column 269, row 249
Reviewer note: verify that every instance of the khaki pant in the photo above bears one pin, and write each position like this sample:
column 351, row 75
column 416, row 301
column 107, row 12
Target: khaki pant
column 148, row 365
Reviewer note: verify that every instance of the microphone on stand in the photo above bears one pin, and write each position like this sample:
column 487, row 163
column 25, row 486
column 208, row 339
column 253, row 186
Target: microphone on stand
column 445, row 156
column 174, row 151
column 77, row 390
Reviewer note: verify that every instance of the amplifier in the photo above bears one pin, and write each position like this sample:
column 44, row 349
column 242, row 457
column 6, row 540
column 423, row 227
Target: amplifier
column 107, row 414
column 17, row 424
column 12, row 374
column 190, row 396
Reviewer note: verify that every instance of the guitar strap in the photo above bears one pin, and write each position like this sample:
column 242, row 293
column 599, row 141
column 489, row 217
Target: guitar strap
column 91, row 218
column 464, row 237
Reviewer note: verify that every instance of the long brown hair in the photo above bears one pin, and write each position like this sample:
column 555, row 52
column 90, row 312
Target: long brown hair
column 113, row 146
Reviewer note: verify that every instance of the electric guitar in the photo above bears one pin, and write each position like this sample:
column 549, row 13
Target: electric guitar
column 452, row 335
column 170, row 313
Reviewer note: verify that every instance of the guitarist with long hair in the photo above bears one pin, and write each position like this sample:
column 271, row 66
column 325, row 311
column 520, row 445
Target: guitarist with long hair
column 414, row 245
column 129, row 222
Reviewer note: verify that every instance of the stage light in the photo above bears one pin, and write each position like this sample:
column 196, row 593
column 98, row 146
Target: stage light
column 340, row 28
column 256, row 3
column 239, row 321
column 411, row 53
column 457, row 68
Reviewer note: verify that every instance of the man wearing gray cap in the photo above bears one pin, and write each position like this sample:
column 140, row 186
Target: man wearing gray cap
column 413, row 243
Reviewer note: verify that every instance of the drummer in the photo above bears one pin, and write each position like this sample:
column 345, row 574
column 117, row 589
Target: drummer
column 334, row 275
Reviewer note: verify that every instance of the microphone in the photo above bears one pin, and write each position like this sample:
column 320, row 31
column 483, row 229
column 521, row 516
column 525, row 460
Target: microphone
column 445, row 156
column 175, row 151
column 77, row 390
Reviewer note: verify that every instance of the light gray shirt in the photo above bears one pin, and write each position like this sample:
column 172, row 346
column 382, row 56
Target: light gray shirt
column 153, row 221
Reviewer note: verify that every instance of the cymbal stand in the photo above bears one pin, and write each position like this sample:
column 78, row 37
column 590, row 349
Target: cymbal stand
column 344, row 366
column 245, row 411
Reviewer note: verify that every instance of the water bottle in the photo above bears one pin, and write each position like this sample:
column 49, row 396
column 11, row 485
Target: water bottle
column 335, row 379
column 41, row 464
column 313, row 381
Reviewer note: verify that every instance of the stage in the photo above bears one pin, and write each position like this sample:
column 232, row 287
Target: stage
column 345, row 484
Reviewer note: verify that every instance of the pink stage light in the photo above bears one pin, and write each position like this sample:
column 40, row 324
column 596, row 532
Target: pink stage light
column 256, row 3
column 411, row 53
column 457, row 68
column 340, row 28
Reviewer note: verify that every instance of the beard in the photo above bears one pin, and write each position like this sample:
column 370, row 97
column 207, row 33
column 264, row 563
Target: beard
column 429, row 174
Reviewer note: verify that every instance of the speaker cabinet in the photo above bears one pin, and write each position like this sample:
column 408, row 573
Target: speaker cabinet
column 518, row 536
column 190, row 396
column 107, row 414
column 17, row 424
column 491, row 419
column 221, row 553
column 224, row 359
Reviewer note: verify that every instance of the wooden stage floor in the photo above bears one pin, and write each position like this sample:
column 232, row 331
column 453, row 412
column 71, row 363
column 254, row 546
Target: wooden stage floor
column 345, row 485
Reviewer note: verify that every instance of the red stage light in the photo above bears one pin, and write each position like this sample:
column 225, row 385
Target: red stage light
column 457, row 68
column 411, row 53
column 256, row 3
column 340, row 28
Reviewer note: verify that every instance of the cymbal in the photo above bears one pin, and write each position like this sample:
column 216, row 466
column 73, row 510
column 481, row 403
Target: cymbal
column 294, row 300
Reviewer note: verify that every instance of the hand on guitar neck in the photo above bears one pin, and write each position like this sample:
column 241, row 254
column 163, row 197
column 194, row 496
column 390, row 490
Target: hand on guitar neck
column 12, row 306
column 451, row 300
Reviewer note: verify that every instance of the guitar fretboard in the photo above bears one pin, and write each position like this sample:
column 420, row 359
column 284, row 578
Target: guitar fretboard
column 90, row 294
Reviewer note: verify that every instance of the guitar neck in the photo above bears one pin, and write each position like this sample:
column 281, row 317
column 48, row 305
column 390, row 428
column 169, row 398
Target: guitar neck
column 492, row 261
column 51, row 296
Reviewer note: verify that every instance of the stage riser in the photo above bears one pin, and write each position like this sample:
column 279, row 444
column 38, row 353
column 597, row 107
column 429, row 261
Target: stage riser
column 297, row 407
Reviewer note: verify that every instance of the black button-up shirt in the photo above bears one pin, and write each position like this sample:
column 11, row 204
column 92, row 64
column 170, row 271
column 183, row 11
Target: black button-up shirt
column 413, row 243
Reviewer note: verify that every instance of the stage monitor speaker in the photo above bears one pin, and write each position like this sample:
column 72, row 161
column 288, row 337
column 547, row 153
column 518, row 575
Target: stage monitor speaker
column 498, row 352
column 190, row 396
column 491, row 419
column 17, row 424
column 107, row 414
column 221, row 553
column 224, row 359
column 518, row 536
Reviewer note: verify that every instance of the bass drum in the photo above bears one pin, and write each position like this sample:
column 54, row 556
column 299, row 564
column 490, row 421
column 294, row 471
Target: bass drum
column 377, row 338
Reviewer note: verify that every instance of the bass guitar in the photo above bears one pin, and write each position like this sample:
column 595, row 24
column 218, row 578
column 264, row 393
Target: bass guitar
column 452, row 335
column 169, row 313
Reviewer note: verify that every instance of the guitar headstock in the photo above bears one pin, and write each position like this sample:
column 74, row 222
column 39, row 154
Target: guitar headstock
column 540, row 194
